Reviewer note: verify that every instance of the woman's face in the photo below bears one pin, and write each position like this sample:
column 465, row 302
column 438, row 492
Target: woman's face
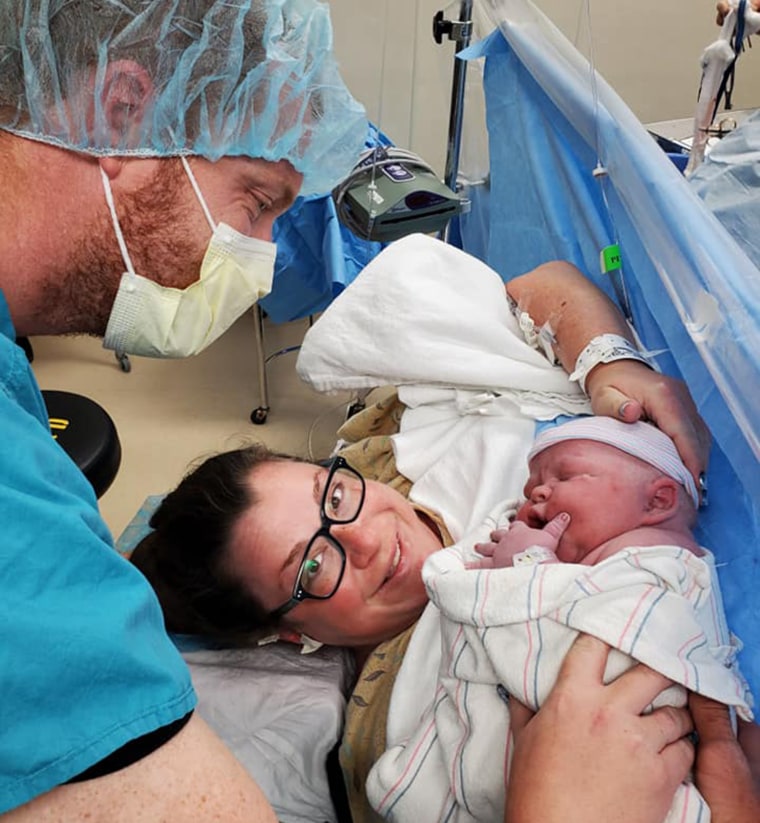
column 381, row 592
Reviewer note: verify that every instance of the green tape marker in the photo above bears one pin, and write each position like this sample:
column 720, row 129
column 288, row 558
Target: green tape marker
column 610, row 259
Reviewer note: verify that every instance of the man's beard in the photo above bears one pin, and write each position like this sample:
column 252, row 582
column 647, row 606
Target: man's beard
column 158, row 228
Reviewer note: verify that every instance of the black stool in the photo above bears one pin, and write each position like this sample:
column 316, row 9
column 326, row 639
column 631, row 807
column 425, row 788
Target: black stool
column 86, row 432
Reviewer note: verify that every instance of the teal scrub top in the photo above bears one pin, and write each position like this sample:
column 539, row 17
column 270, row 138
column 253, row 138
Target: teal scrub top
column 85, row 662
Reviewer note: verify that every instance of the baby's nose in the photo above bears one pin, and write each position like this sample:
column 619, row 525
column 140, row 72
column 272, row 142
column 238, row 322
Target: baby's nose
column 540, row 493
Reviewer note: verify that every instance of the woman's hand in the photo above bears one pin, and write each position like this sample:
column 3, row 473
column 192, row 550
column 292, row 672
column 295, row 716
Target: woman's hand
column 589, row 753
column 722, row 773
column 628, row 390
column 558, row 294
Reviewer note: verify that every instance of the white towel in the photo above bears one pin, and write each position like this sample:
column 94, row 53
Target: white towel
column 435, row 321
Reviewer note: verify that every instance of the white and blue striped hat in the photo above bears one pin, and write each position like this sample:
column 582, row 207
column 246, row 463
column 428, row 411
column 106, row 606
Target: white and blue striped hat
column 641, row 440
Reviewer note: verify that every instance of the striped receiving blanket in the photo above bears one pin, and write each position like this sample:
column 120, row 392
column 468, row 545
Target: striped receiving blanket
column 493, row 632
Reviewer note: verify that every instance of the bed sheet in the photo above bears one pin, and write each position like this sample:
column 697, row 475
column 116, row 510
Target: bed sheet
column 280, row 712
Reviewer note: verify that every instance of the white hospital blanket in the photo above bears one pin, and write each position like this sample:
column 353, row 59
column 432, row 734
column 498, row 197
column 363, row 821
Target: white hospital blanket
column 435, row 321
column 447, row 752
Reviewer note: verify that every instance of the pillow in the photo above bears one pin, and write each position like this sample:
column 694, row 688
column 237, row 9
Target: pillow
column 280, row 712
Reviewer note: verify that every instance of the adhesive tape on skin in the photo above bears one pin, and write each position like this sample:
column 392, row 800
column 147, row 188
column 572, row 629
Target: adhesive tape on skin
column 309, row 645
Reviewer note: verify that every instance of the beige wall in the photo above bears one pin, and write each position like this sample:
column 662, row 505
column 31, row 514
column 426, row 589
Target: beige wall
column 647, row 50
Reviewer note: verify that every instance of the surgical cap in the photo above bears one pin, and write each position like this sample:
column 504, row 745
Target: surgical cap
column 640, row 440
column 214, row 78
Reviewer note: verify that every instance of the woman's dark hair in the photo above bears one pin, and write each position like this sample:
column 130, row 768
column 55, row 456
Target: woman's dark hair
column 185, row 557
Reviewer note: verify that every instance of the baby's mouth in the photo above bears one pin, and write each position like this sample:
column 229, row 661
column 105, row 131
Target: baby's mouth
column 535, row 520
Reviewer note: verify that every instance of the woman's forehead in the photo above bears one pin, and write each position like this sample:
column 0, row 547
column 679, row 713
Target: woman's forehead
column 286, row 478
column 285, row 497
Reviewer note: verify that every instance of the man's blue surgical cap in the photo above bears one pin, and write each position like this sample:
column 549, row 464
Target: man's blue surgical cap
column 160, row 78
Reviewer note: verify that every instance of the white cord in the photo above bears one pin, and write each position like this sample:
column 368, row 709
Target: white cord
column 600, row 172
column 116, row 227
column 317, row 420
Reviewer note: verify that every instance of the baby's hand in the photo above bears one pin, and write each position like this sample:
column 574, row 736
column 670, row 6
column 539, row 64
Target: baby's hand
column 506, row 543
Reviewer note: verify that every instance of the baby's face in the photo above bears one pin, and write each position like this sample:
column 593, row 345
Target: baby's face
column 603, row 490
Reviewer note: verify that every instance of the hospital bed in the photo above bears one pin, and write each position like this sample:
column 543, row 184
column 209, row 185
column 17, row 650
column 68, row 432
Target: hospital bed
column 590, row 177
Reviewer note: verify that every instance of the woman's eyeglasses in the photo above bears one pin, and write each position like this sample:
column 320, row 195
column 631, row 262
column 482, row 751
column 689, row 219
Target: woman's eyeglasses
column 324, row 559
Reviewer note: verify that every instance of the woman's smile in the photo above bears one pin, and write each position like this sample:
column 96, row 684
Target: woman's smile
column 393, row 567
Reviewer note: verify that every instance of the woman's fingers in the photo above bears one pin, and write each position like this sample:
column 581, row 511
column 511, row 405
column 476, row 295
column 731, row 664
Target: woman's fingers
column 633, row 691
column 677, row 759
column 638, row 762
column 668, row 725
column 612, row 402
column 638, row 687
column 629, row 391
column 585, row 662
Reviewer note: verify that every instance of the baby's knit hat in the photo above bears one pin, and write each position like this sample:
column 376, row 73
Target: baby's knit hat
column 639, row 439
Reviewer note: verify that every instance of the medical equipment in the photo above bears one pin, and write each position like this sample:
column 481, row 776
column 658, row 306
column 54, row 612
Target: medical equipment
column 718, row 64
column 391, row 193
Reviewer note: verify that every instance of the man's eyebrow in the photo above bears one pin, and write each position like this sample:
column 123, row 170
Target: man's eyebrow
column 300, row 546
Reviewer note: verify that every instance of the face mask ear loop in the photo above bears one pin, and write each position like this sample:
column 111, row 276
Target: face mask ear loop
column 116, row 227
column 197, row 190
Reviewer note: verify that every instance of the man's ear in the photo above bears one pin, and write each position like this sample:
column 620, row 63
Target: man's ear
column 127, row 93
column 662, row 501
column 111, row 166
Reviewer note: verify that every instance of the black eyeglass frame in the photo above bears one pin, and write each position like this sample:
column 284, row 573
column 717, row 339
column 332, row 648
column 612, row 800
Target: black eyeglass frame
column 299, row 593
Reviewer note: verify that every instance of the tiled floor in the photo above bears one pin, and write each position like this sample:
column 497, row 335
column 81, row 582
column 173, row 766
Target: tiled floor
column 169, row 413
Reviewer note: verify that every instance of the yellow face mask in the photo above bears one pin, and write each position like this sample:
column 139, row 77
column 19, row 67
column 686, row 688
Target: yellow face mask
column 159, row 321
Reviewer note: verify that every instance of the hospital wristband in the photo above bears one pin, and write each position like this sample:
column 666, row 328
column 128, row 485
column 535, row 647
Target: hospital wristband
column 606, row 348
column 534, row 555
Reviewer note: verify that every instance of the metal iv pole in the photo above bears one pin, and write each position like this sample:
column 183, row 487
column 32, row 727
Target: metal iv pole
column 461, row 32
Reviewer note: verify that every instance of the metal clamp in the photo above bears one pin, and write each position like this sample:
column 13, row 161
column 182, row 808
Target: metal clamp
column 457, row 30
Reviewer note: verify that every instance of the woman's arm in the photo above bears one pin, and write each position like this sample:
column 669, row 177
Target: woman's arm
column 589, row 754
column 723, row 772
column 557, row 293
